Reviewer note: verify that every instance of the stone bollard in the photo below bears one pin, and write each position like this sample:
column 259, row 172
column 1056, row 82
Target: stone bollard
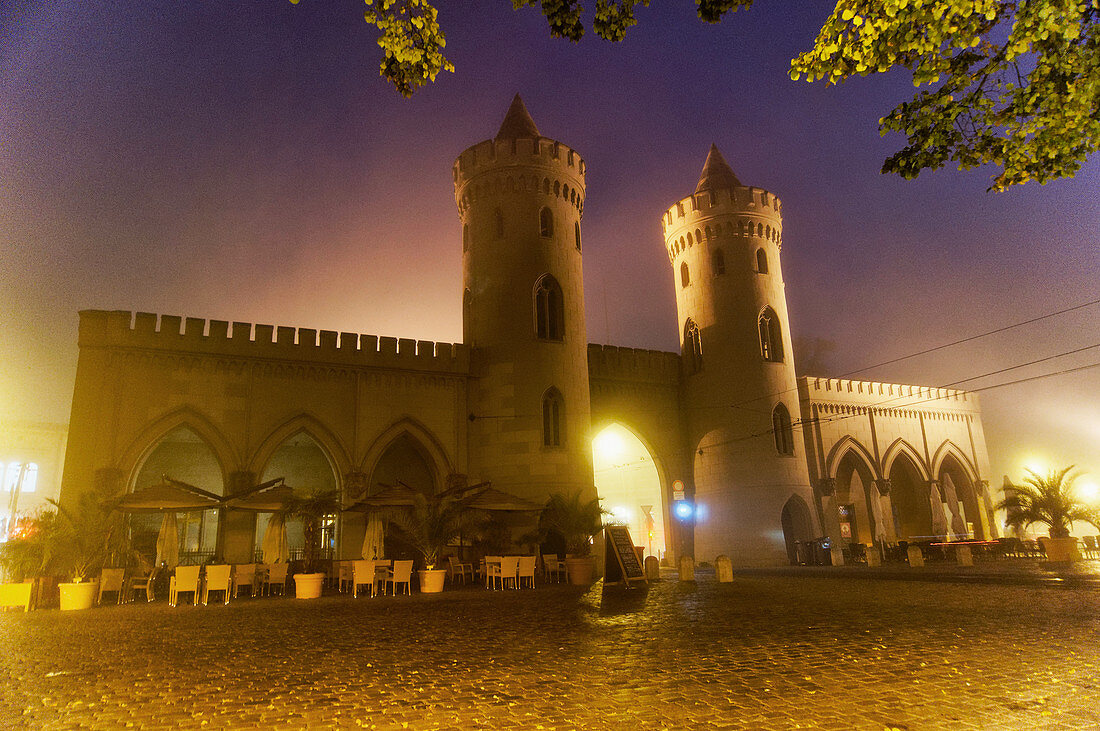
column 687, row 568
column 874, row 558
column 723, row 569
column 916, row 557
column 838, row 555
column 964, row 556
column 652, row 568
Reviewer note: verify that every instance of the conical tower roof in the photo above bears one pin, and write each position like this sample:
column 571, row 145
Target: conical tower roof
column 717, row 173
column 517, row 122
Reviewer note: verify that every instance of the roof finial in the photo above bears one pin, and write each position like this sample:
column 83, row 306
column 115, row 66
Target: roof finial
column 517, row 122
column 717, row 173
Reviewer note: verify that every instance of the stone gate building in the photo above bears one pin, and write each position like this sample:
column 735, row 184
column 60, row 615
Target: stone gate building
column 764, row 459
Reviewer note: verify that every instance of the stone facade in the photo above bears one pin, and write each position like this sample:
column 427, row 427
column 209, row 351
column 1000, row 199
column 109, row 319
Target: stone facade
column 766, row 460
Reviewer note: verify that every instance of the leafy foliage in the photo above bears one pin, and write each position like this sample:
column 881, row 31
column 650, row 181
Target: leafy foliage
column 1016, row 82
column 1048, row 500
column 311, row 510
column 431, row 523
column 576, row 519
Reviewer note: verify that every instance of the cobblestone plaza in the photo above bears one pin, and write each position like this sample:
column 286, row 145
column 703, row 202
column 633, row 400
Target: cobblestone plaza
column 766, row 652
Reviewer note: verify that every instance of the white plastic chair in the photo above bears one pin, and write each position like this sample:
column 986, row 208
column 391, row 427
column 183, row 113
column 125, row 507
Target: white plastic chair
column 185, row 580
column 459, row 570
column 505, row 571
column 111, row 580
column 492, row 568
column 552, row 567
column 362, row 574
column 244, row 574
column 525, row 570
column 401, row 573
column 217, row 579
column 275, row 577
column 346, row 574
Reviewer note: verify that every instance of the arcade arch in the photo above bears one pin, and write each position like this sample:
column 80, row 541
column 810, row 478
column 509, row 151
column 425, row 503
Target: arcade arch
column 797, row 524
column 629, row 484
column 307, row 468
column 909, row 496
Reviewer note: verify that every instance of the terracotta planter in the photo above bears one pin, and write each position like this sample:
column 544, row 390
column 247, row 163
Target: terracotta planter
column 1062, row 550
column 582, row 571
column 431, row 581
column 308, row 586
column 78, row 596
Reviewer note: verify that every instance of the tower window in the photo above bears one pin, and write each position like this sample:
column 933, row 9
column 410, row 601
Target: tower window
column 548, row 309
column 577, row 233
column 546, row 222
column 552, row 409
column 781, row 426
column 771, row 337
column 761, row 261
column 500, row 223
column 465, row 237
column 718, row 259
column 692, row 348
column 685, row 278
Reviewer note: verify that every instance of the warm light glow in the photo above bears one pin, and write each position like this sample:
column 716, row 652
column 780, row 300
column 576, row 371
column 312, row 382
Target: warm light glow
column 622, row 514
column 1088, row 492
column 608, row 446
column 1036, row 464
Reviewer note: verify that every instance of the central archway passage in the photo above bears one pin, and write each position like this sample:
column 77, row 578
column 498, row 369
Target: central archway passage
column 629, row 486
column 302, row 462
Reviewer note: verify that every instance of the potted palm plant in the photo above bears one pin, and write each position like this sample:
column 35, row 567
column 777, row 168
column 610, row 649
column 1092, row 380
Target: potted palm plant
column 311, row 510
column 83, row 540
column 578, row 520
column 429, row 525
column 1049, row 500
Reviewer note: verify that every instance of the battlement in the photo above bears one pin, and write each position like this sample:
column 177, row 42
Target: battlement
column 887, row 396
column 541, row 152
column 745, row 200
column 192, row 335
column 633, row 364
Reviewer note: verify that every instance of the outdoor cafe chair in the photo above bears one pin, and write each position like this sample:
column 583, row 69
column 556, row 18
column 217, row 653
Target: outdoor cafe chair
column 489, row 565
column 401, row 573
column 274, row 576
column 186, row 579
column 525, row 570
column 112, row 580
column 459, row 570
column 217, row 579
column 1090, row 547
column 345, row 571
column 362, row 574
column 504, row 571
column 244, row 574
column 143, row 584
column 552, row 567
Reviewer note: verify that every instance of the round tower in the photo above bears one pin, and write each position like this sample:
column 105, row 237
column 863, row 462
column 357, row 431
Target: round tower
column 752, row 490
column 520, row 197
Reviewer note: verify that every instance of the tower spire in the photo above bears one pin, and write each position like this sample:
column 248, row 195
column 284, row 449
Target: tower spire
column 717, row 173
column 517, row 122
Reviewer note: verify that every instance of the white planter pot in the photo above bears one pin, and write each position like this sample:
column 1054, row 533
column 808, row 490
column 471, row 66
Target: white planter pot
column 582, row 571
column 308, row 586
column 1062, row 550
column 431, row 582
column 78, row 596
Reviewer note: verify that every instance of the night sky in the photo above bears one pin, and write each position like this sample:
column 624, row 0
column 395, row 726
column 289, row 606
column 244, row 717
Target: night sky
column 244, row 161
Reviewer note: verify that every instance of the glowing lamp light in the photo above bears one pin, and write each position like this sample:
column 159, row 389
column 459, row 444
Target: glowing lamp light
column 608, row 445
column 1089, row 492
column 1036, row 464
column 683, row 510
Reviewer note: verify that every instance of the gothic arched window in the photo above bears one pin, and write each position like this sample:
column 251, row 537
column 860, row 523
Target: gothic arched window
column 552, row 411
column 685, row 278
column 546, row 222
column 718, row 259
column 549, row 324
column 692, row 348
column 771, row 337
column 781, row 426
column 577, row 234
column 761, row 261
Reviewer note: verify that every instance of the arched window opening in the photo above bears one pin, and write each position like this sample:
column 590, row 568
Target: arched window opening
column 465, row 237
column 691, row 241
column 781, row 426
column 546, row 222
column 719, row 261
column 761, row 261
column 552, row 411
column 577, row 233
column 698, row 236
column 771, row 337
column 548, row 309
column 693, row 347
column 685, row 278
column 500, row 223
column 760, row 229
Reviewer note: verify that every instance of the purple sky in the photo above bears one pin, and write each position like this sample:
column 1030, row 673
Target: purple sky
column 244, row 161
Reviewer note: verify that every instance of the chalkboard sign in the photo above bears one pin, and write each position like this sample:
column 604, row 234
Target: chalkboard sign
column 621, row 564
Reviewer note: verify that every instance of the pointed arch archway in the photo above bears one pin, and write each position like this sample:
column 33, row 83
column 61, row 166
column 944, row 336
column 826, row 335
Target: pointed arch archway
column 632, row 483
column 302, row 423
column 957, row 479
column 137, row 451
column 798, row 525
column 851, row 465
column 433, row 451
column 901, row 447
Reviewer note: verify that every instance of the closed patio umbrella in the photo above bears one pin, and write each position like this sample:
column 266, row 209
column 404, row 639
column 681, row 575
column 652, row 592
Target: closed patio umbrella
column 168, row 541
column 373, row 538
column 958, row 525
column 275, row 547
column 169, row 495
column 939, row 517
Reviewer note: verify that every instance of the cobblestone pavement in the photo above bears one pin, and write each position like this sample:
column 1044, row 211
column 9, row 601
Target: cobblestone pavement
column 765, row 652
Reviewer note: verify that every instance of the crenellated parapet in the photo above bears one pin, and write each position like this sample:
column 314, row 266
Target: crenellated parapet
column 197, row 336
column 746, row 212
column 843, row 396
column 537, row 166
column 607, row 362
